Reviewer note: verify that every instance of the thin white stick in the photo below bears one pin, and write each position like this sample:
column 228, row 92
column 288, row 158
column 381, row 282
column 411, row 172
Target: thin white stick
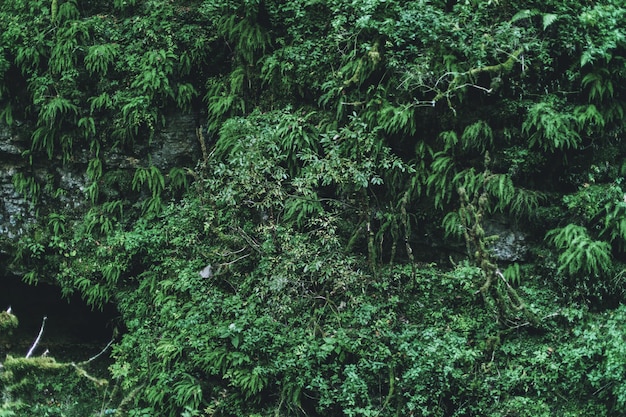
column 93, row 358
column 32, row 348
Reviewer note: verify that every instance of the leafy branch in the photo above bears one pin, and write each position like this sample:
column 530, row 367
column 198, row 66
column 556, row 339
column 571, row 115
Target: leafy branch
column 506, row 302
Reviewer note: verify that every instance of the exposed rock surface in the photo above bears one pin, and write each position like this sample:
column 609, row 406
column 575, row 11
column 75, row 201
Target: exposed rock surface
column 511, row 245
column 15, row 210
column 176, row 145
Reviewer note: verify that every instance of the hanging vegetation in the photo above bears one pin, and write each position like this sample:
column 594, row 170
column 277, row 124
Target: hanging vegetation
column 332, row 250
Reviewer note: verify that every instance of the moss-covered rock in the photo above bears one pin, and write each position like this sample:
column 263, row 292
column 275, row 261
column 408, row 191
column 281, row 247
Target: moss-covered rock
column 8, row 322
column 43, row 386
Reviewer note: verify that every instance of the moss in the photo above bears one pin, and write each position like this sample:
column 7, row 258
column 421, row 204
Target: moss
column 24, row 365
column 8, row 321
column 48, row 387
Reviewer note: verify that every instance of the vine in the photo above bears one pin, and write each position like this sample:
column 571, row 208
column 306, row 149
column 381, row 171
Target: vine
column 504, row 301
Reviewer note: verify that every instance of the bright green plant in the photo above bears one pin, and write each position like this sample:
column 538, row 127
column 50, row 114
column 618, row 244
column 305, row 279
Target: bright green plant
column 579, row 253
column 293, row 272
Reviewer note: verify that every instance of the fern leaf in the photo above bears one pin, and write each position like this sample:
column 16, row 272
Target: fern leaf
column 501, row 187
column 99, row 57
column 523, row 14
column 579, row 252
column 477, row 136
column 548, row 19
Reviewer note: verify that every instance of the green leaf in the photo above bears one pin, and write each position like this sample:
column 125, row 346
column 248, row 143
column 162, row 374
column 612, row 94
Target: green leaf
column 548, row 19
column 523, row 14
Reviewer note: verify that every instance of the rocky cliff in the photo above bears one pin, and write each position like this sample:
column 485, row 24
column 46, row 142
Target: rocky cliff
column 60, row 185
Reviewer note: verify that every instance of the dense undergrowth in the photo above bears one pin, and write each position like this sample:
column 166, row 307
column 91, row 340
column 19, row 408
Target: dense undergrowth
column 329, row 254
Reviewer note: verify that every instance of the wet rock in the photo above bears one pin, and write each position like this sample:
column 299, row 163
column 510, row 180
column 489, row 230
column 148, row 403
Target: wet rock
column 176, row 145
column 62, row 186
column 511, row 245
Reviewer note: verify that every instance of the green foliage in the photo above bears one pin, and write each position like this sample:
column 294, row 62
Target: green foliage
column 100, row 57
column 579, row 253
column 477, row 136
column 292, row 272
column 47, row 387
column 551, row 129
column 8, row 322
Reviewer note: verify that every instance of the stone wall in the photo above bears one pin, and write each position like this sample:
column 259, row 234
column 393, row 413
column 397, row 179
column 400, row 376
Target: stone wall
column 176, row 145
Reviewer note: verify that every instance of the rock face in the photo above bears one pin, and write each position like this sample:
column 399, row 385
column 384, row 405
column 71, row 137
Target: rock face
column 176, row 145
column 15, row 210
column 511, row 245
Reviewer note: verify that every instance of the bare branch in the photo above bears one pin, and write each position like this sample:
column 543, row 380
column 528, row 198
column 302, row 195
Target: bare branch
column 34, row 346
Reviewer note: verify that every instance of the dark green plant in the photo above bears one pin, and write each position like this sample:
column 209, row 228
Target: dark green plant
column 579, row 253
column 300, row 268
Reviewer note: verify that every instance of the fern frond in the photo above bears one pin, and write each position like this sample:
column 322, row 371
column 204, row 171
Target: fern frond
column 501, row 187
column 589, row 117
column 99, row 57
column 440, row 178
column 469, row 180
column 579, row 252
column 478, row 136
column 100, row 103
column 452, row 225
column 55, row 110
column 248, row 35
column 615, row 223
column 524, row 14
column 88, row 126
column 395, row 120
column 561, row 237
column 449, row 139
column 185, row 93
column 43, row 139
column 513, row 274
column 551, row 129
column 298, row 210
column 67, row 11
column 525, row 202
column 548, row 19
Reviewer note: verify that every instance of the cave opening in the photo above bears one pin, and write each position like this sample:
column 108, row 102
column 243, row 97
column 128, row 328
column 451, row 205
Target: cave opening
column 73, row 331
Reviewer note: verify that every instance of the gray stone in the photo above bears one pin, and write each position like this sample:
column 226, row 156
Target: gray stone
column 511, row 245
column 175, row 145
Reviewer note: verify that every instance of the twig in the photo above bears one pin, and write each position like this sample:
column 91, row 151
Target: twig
column 83, row 373
column 236, row 260
column 93, row 358
column 32, row 348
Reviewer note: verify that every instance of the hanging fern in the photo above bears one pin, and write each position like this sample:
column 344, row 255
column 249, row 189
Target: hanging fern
column 453, row 226
column 248, row 36
column 185, row 93
column 224, row 98
column 100, row 103
column 478, row 136
column 615, row 223
column 525, row 202
column 43, row 139
column 449, row 138
column 88, row 126
column 400, row 119
column 501, row 187
column 296, row 135
column 439, row 181
column 551, row 129
column 100, row 57
column 56, row 110
column 579, row 253
column 152, row 177
column 469, row 180
column 589, row 118
column 599, row 84
column 68, row 10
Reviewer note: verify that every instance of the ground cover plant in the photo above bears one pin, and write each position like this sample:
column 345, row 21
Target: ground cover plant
column 331, row 252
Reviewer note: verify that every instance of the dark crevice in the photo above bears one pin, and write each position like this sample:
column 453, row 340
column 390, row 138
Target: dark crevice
column 73, row 331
